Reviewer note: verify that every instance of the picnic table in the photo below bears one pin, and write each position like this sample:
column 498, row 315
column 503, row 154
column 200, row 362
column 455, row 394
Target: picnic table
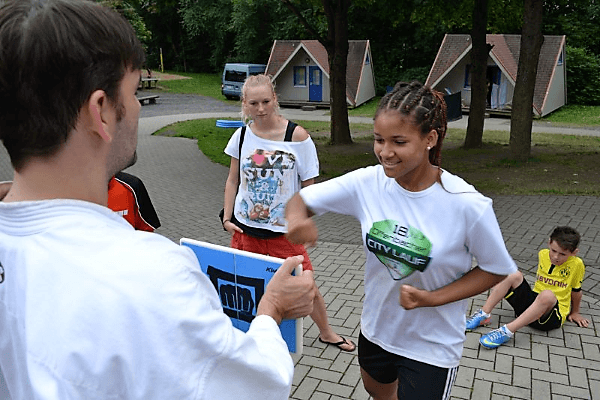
column 148, row 83
column 151, row 99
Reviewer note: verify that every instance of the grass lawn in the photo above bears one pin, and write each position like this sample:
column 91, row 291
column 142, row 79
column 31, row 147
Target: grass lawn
column 559, row 164
column 203, row 84
column 574, row 115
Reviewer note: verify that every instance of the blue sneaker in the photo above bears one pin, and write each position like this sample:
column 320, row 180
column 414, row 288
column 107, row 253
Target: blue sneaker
column 479, row 318
column 495, row 338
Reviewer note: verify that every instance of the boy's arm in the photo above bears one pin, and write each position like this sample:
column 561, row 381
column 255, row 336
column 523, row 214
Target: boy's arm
column 574, row 316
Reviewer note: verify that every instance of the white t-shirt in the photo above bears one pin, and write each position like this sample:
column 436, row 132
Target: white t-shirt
column 272, row 172
column 92, row 309
column 425, row 239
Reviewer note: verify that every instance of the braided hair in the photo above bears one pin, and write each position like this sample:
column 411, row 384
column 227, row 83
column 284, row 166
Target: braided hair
column 424, row 105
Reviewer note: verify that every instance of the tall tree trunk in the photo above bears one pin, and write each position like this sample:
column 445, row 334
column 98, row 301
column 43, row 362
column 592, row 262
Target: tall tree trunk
column 522, row 107
column 479, row 55
column 336, row 45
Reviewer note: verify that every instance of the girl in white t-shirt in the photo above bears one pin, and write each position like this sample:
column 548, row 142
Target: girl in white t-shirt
column 277, row 158
column 421, row 228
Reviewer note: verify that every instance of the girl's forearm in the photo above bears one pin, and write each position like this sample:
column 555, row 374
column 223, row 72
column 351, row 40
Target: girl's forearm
column 472, row 283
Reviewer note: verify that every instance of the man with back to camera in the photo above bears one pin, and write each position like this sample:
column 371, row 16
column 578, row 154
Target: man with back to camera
column 89, row 307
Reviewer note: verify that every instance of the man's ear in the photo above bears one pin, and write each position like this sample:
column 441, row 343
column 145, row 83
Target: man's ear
column 98, row 106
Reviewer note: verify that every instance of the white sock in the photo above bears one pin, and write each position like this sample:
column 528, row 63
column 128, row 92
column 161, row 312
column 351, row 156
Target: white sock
column 505, row 328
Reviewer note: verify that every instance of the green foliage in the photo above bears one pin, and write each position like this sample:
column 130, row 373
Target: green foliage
column 256, row 24
column 402, row 48
column 579, row 20
column 405, row 35
column 583, row 70
column 208, row 21
column 126, row 9
column 169, row 38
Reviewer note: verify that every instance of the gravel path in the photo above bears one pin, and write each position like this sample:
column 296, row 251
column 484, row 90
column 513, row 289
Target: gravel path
column 175, row 103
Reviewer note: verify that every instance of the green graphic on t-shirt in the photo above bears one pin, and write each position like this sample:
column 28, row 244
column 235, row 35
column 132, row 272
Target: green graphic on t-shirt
column 403, row 250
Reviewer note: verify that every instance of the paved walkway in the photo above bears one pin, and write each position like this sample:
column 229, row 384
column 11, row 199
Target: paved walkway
column 187, row 191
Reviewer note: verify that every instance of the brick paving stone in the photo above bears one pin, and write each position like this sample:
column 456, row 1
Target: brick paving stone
column 564, row 351
column 539, row 352
column 465, row 376
column 592, row 351
column 335, row 388
column 459, row 392
column 550, row 377
column 482, row 389
column 512, row 392
column 306, row 388
column 300, row 372
column 578, row 377
column 325, row 374
column 522, row 377
column 558, row 364
column 503, row 364
column 351, row 377
column 595, row 389
column 540, row 389
column 493, row 376
column 570, row 391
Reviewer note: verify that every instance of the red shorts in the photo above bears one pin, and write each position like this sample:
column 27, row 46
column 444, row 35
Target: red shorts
column 276, row 247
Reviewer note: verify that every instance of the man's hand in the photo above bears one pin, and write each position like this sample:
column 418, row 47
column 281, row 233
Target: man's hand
column 578, row 319
column 288, row 296
column 411, row 297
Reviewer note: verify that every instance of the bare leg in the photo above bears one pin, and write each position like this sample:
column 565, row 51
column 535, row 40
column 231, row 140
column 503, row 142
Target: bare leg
column 499, row 291
column 326, row 333
column 544, row 302
column 379, row 391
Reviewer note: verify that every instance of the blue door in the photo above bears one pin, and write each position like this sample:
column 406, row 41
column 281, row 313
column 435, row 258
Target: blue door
column 315, row 84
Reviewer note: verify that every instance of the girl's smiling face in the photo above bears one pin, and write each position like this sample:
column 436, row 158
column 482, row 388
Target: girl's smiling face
column 401, row 149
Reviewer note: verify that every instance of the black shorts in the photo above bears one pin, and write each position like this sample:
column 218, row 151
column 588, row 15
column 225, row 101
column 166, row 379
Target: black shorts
column 416, row 380
column 522, row 297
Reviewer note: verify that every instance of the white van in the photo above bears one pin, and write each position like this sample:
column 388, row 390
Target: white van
column 234, row 76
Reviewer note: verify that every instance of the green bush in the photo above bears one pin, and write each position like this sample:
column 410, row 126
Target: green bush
column 386, row 76
column 583, row 72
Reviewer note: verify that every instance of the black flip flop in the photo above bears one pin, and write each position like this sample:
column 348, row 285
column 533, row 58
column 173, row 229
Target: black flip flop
column 340, row 343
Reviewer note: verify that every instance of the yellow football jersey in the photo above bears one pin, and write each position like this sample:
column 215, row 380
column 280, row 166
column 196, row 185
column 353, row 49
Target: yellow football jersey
column 561, row 279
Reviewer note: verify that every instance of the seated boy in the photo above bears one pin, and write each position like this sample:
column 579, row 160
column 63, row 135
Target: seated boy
column 555, row 297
